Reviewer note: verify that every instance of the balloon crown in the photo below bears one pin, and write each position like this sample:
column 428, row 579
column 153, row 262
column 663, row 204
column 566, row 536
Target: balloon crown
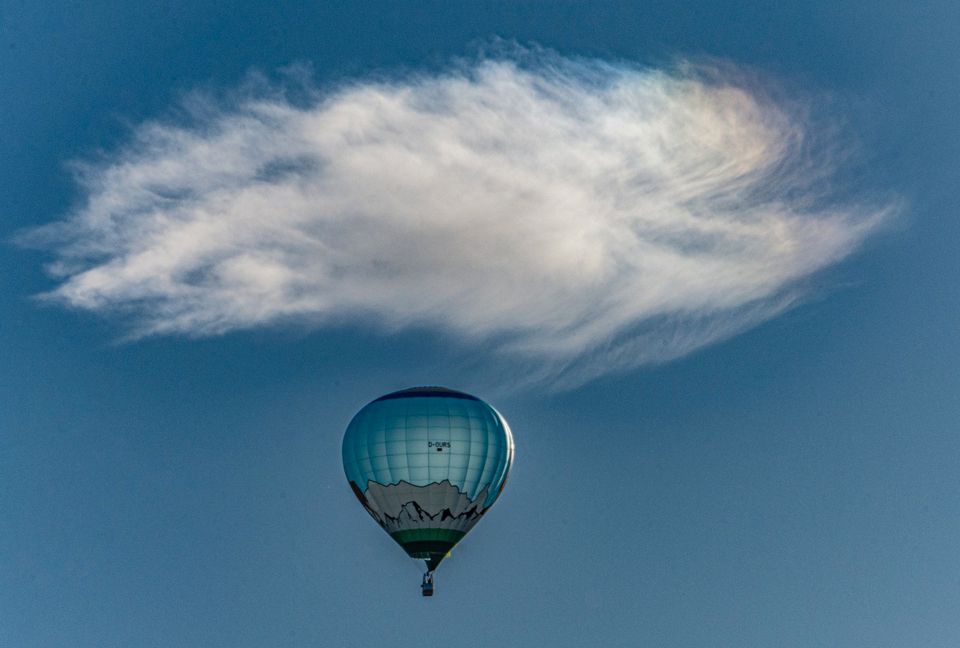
column 426, row 391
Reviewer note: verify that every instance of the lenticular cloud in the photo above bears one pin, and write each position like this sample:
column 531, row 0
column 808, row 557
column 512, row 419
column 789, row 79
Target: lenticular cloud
column 572, row 214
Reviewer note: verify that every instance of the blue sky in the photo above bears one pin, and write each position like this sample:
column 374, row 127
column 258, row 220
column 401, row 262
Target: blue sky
column 735, row 413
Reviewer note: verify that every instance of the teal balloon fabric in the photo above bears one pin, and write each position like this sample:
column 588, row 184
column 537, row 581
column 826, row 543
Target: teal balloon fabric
column 427, row 463
column 429, row 435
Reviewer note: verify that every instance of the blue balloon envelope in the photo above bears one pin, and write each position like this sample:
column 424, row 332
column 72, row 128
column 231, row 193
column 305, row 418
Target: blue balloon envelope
column 427, row 463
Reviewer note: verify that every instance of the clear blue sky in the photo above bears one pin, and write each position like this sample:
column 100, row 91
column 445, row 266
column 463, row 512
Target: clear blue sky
column 792, row 485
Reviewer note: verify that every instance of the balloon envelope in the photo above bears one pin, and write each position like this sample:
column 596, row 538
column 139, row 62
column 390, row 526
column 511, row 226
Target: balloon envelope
column 427, row 463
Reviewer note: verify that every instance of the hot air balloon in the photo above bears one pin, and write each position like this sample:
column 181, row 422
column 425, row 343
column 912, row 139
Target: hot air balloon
column 427, row 463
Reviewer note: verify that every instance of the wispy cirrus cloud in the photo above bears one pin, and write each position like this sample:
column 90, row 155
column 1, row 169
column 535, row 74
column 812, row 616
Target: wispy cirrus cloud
column 574, row 214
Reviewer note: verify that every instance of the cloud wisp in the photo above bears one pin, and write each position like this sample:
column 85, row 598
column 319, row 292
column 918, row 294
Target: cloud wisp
column 572, row 214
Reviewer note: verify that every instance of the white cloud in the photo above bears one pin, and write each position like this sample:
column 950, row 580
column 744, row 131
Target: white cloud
column 571, row 214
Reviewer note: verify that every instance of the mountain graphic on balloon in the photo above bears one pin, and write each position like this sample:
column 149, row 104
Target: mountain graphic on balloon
column 427, row 463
